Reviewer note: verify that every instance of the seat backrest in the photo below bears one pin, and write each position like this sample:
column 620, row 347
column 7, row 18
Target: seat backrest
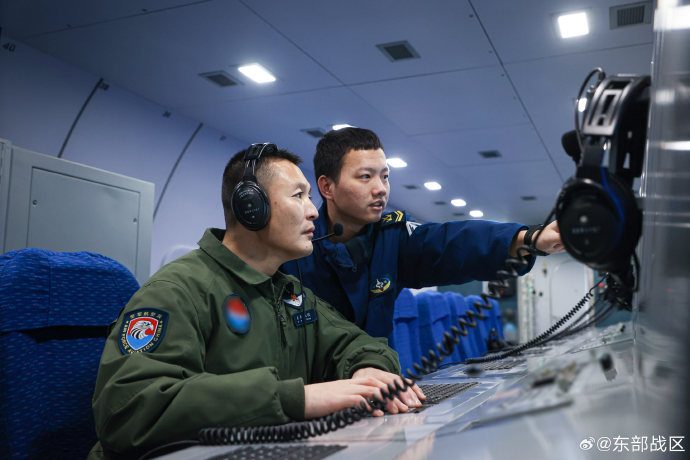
column 496, row 317
column 469, row 346
column 405, row 336
column 484, row 326
column 435, row 318
column 54, row 312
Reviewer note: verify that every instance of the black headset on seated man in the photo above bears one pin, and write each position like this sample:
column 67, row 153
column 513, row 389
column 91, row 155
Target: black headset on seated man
column 250, row 204
column 597, row 212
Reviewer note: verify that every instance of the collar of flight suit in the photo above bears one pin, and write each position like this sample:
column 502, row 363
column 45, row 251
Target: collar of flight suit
column 337, row 253
column 211, row 244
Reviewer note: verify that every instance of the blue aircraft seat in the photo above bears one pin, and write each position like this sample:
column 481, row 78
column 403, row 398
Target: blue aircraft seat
column 470, row 346
column 405, row 336
column 54, row 312
column 435, row 318
column 484, row 326
column 496, row 318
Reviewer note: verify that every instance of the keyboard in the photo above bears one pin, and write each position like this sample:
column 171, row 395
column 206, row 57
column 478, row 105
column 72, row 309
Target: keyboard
column 501, row 365
column 437, row 393
column 295, row 452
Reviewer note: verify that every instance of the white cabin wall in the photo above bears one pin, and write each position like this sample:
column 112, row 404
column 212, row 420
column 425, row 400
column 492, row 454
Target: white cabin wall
column 122, row 132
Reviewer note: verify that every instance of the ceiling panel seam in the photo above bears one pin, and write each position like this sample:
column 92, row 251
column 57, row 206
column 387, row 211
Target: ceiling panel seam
column 460, row 130
column 515, row 91
column 292, row 42
column 578, row 53
column 428, row 74
column 106, row 21
column 344, row 85
column 262, row 96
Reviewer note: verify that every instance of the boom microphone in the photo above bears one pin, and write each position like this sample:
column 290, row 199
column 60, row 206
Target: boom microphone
column 337, row 231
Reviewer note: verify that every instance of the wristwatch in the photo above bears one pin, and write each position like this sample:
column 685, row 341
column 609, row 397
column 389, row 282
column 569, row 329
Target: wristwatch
column 528, row 240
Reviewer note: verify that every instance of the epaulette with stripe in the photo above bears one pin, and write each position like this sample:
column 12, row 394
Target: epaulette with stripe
column 394, row 217
column 399, row 217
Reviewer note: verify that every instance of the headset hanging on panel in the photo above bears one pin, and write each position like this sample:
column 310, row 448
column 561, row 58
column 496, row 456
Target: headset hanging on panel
column 249, row 201
column 597, row 212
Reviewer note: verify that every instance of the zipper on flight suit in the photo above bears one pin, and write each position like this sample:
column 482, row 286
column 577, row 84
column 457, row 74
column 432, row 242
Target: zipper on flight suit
column 279, row 315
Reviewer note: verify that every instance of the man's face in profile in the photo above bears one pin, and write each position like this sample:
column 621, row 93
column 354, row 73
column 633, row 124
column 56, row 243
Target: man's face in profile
column 290, row 227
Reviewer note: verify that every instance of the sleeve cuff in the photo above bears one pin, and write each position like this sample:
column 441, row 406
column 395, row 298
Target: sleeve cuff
column 374, row 360
column 291, row 394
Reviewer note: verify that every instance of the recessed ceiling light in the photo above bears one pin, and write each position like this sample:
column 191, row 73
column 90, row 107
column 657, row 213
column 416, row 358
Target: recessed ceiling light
column 581, row 104
column 476, row 213
column 458, row 202
column 432, row 185
column 341, row 126
column 257, row 73
column 573, row 24
column 396, row 162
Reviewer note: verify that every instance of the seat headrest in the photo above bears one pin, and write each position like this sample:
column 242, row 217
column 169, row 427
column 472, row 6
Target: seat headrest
column 41, row 288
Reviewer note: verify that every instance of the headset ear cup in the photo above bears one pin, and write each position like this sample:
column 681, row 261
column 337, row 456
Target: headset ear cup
column 600, row 226
column 632, row 218
column 250, row 205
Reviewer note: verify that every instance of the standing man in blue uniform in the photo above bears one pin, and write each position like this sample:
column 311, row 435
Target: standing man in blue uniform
column 361, row 271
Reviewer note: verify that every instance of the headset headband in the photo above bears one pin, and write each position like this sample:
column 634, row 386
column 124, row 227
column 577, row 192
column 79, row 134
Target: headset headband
column 252, row 155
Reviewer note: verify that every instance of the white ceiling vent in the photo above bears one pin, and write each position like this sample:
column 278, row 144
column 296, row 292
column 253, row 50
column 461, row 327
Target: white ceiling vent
column 630, row 14
column 398, row 51
column 220, row 78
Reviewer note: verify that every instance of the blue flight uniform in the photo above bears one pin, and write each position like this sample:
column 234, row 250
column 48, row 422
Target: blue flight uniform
column 363, row 277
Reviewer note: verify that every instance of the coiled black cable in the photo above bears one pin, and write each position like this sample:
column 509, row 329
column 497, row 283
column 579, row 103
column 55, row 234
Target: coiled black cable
column 540, row 338
column 575, row 324
column 603, row 314
column 297, row 431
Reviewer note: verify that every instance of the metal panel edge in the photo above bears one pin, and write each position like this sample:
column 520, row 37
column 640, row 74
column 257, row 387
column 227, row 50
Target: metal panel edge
column 5, row 162
column 23, row 162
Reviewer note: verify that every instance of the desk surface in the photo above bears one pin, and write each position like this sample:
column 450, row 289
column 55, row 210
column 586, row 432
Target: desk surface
column 551, row 401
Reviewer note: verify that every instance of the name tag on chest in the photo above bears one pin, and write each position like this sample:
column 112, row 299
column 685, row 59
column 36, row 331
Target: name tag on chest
column 304, row 318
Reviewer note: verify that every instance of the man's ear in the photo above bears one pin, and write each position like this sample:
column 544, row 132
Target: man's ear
column 325, row 185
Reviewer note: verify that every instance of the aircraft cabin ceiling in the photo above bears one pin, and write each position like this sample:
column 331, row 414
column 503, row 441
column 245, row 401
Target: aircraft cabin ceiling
column 485, row 76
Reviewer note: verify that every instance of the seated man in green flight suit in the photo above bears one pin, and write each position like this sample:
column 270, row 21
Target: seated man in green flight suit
column 220, row 337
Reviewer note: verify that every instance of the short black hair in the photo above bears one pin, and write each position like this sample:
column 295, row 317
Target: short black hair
column 234, row 170
column 328, row 160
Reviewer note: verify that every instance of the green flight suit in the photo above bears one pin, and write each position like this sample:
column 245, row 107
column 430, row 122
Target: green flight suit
column 201, row 370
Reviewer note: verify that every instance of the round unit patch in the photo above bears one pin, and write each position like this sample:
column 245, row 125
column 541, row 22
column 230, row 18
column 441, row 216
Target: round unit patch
column 237, row 314
column 380, row 285
column 142, row 330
